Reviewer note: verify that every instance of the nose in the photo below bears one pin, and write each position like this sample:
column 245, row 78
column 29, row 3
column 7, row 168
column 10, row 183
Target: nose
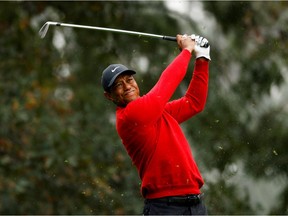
column 126, row 86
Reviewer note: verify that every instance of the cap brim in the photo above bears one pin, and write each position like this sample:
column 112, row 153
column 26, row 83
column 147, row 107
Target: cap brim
column 116, row 75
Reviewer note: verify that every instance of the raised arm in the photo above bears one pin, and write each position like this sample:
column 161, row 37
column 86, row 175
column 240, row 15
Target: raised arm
column 153, row 103
column 194, row 100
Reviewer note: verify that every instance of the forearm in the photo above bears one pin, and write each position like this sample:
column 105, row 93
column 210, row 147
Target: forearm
column 155, row 100
column 172, row 76
column 198, row 87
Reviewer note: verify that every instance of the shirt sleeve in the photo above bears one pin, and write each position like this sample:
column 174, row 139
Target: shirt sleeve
column 149, row 108
column 194, row 100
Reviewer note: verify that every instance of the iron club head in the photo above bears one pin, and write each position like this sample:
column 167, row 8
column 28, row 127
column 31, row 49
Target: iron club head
column 44, row 29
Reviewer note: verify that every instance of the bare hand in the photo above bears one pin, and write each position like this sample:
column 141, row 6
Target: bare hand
column 185, row 42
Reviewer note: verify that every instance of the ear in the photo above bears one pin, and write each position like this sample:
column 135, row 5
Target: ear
column 108, row 96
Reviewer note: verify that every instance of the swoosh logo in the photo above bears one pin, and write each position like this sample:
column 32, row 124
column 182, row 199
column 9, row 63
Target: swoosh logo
column 113, row 70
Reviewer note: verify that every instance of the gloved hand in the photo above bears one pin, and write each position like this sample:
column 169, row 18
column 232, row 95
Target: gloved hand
column 202, row 47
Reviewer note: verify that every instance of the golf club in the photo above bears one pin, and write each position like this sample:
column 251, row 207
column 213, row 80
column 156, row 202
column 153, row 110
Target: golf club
column 43, row 31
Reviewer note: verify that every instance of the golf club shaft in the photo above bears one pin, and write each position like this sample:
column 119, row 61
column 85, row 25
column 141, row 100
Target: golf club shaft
column 45, row 27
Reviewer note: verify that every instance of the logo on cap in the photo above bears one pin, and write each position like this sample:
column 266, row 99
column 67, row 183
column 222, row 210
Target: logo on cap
column 113, row 70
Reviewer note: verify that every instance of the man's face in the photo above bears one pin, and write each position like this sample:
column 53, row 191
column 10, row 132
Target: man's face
column 123, row 90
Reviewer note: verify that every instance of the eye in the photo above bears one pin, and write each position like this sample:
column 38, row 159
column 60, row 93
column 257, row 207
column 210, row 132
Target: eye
column 130, row 79
column 118, row 85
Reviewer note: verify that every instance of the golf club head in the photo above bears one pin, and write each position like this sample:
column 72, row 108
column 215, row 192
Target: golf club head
column 44, row 29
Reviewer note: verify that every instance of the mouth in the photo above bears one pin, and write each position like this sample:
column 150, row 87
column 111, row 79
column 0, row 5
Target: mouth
column 129, row 93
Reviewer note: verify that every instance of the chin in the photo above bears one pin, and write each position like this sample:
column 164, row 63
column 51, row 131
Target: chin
column 130, row 99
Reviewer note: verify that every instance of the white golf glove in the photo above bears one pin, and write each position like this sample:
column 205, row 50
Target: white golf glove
column 202, row 47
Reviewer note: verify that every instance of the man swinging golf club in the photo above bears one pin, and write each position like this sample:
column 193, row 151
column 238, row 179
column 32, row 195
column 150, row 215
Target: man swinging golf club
column 149, row 128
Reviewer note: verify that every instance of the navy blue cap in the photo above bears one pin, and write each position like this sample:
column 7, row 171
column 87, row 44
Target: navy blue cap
column 110, row 74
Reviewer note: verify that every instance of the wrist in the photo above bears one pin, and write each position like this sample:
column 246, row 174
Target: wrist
column 189, row 49
column 187, row 52
column 202, row 59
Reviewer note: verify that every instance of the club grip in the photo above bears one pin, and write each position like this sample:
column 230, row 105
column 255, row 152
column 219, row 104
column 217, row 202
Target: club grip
column 169, row 38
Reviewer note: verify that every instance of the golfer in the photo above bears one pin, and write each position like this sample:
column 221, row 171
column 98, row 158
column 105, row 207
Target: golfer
column 149, row 127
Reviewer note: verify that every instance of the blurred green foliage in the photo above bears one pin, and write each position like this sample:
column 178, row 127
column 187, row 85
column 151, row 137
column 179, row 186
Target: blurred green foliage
column 59, row 150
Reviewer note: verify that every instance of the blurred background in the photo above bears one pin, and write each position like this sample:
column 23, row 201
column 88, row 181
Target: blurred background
column 59, row 150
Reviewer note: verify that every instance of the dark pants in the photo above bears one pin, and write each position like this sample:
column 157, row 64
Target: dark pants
column 161, row 207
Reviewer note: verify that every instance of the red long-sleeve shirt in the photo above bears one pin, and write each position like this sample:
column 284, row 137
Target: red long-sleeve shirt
column 150, row 131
